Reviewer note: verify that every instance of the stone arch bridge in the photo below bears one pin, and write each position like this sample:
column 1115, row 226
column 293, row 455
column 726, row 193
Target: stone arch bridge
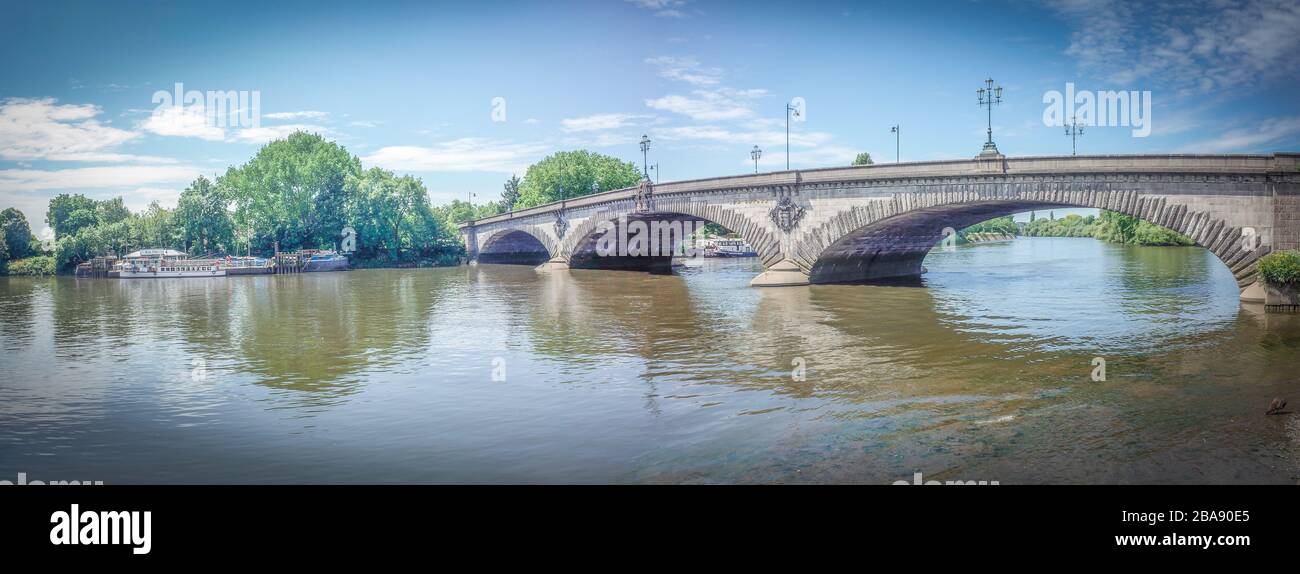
column 863, row 223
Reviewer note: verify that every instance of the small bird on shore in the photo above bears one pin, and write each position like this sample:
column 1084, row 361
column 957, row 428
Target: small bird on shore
column 1275, row 407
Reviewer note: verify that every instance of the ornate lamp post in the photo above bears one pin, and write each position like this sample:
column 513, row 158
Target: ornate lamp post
column 1074, row 130
column 989, row 96
column 645, row 149
column 755, row 153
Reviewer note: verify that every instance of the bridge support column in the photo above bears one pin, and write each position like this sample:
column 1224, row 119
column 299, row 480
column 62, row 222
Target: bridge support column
column 783, row 273
column 1253, row 293
column 556, row 263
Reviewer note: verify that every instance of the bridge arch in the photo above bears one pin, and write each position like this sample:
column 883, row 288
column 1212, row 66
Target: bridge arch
column 890, row 237
column 579, row 244
column 515, row 245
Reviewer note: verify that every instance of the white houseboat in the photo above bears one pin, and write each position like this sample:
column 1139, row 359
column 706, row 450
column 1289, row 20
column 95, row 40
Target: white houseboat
column 162, row 263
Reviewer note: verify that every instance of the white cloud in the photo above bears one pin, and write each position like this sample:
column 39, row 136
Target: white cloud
column 265, row 134
column 43, row 129
column 13, row 180
column 662, row 8
column 192, row 121
column 600, row 122
column 1254, row 139
column 710, row 105
column 465, row 154
column 183, row 121
column 1213, row 46
column 761, row 137
column 685, row 69
column 304, row 115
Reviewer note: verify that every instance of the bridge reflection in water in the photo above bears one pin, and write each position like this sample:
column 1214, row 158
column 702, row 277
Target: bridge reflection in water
column 368, row 376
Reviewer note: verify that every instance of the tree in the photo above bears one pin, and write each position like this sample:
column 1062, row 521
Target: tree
column 574, row 172
column 202, row 218
column 863, row 158
column 292, row 192
column 392, row 215
column 155, row 227
column 15, row 232
column 111, row 211
column 510, row 195
column 61, row 210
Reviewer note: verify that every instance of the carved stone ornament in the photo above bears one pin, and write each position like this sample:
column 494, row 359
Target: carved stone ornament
column 561, row 224
column 786, row 214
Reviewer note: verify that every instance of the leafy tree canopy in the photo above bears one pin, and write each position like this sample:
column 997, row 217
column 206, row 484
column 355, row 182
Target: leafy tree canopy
column 570, row 174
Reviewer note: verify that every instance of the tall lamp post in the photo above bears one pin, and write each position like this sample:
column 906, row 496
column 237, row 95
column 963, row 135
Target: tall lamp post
column 755, row 153
column 989, row 96
column 1074, row 130
column 788, row 109
column 645, row 149
column 897, row 134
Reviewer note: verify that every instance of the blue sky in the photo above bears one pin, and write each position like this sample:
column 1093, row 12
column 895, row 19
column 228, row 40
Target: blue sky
column 411, row 86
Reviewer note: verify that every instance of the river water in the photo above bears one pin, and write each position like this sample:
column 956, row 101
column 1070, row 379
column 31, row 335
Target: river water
column 495, row 374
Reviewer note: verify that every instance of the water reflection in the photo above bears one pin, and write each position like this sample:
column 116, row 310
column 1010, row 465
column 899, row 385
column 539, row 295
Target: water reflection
column 506, row 374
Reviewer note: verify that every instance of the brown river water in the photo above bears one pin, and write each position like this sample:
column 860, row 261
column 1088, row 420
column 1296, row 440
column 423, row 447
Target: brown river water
column 503, row 374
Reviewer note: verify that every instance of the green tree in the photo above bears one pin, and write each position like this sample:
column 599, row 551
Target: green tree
column 17, row 234
column 203, row 220
column 60, row 214
column 574, row 172
column 111, row 211
column 510, row 193
column 392, row 215
column 863, row 158
column 155, row 227
column 293, row 192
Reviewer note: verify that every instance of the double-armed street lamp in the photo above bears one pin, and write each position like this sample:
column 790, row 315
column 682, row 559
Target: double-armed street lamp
column 645, row 149
column 989, row 96
column 756, row 153
column 1074, row 130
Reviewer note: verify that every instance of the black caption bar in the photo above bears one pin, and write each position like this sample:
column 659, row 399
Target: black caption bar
column 151, row 524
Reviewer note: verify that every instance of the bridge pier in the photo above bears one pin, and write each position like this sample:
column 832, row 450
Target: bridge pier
column 554, row 264
column 783, row 273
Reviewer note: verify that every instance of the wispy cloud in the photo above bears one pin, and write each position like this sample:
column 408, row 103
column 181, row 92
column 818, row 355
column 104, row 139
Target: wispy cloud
column 304, row 115
column 1212, row 46
column 118, row 176
column 43, row 129
column 461, row 155
column 1254, row 138
column 685, row 69
column 183, row 121
column 662, row 8
column 598, row 122
column 710, row 105
column 266, row 134
column 192, row 121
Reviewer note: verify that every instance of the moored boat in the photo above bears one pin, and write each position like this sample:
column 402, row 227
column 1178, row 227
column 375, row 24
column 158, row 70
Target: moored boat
column 325, row 261
column 166, row 263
